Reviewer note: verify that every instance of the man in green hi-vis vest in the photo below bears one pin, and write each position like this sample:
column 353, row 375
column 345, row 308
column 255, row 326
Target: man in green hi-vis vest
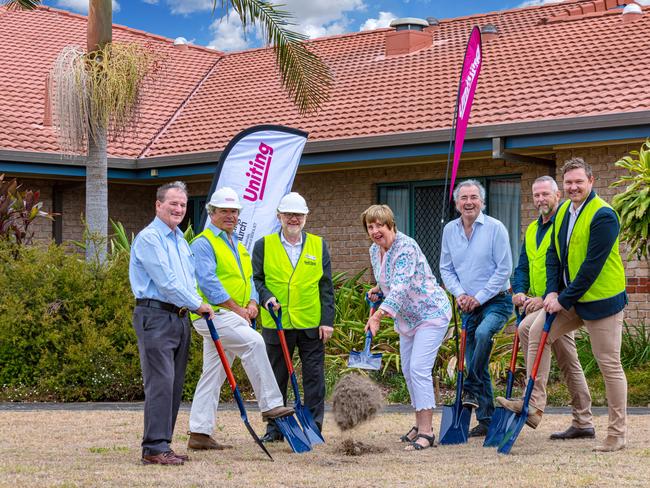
column 224, row 273
column 529, row 286
column 292, row 270
column 585, row 285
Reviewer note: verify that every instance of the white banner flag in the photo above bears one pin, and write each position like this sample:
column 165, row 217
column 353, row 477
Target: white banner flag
column 260, row 164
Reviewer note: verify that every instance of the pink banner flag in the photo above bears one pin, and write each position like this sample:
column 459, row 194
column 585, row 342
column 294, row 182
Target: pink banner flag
column 466, row 89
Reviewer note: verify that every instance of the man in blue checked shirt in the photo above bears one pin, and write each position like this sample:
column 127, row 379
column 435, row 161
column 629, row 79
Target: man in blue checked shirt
column 225, row 276
column 161, row 272
column 475, row 265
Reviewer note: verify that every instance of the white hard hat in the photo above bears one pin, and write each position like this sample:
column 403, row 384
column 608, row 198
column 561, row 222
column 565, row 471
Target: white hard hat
column 224, row 198
column 293, row 203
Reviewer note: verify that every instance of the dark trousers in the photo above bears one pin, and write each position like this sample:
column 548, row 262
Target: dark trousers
column 164, row 344
column 482, row 324
column 311, row 351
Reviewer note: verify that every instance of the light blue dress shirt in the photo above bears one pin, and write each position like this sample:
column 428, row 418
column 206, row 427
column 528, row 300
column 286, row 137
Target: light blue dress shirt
column 479, row 266
column 206, row 264
column 162, row 267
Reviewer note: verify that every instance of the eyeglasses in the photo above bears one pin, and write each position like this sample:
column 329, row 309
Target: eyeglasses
column 290, row 216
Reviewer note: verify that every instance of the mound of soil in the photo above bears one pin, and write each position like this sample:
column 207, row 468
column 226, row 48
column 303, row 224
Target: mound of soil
column 351, row 448
column 356, row 399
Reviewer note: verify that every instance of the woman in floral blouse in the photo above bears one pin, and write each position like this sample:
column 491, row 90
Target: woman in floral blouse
column 419, row 307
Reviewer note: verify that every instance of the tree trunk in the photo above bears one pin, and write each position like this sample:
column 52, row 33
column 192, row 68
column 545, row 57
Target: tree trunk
column 100, row 25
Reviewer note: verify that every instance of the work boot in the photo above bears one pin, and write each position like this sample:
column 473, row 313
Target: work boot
column 166, row 458
column 575, row 433
column 611, row 444
column 479, row 430
column 277, row 412
column 469, row 400
column 273, row 436
column 516, row 405
column 203, row 442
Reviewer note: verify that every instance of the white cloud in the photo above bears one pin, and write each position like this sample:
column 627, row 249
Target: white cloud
column 228, row 33
column 151, row 2
column 81, row 5
column 317, row 18
column 184, row 7
column 537, row 3
column 384, row 20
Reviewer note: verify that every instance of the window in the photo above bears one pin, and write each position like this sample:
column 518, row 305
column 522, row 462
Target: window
column 195, row 206
column 418, row 209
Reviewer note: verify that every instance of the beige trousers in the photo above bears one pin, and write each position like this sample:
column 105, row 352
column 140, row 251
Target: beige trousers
column 564, row 350
column 605, row 335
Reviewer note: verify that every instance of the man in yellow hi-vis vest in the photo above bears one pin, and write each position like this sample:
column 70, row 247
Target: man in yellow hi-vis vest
column 292, row 269
column 585, row 285
column 529, row 286
column 224, row 274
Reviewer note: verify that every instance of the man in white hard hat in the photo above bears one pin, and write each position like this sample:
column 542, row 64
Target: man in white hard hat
column 292, row 270
column 224, row 274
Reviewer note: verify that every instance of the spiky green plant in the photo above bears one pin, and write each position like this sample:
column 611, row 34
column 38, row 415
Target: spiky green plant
column 633, row 204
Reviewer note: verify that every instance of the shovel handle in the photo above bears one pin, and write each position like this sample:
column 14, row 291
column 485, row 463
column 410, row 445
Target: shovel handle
column 547, row 327
column 222, row 355
column 277, row 318
column 366, row 347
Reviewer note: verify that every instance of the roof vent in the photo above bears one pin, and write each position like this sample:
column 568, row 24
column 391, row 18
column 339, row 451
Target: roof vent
column 409, row 36
column 631, row 13
column 489, row 32
column 180, row 43
column 432, row 21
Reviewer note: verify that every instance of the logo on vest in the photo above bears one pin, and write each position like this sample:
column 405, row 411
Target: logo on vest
column 257, row 174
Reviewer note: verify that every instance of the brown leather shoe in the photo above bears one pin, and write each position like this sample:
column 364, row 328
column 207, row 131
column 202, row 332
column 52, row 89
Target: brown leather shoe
column 182, row 457
column 165, row 458
column 204, row 441
column 516, row 405
column 276, row 413
column 611, row 444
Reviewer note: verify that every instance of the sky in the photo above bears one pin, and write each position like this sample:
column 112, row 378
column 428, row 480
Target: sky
column 196, row 21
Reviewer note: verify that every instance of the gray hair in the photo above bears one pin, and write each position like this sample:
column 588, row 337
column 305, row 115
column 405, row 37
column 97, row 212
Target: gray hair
column 161, row 192
column 212, row 209
column 550, row 179
column 481, row 189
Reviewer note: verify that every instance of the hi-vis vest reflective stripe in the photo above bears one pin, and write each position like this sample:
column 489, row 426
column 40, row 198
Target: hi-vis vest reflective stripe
column 295, row 289
column 611, row 280
column 537, row 259
column 236, row 283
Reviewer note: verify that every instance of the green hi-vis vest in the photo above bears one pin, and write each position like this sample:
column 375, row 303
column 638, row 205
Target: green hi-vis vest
column 236, row 282
column 537, row 259
column 611, row 280
column 295, row 289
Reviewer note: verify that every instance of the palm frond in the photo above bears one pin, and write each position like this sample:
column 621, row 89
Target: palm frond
column 305, row 77
column 22, row 4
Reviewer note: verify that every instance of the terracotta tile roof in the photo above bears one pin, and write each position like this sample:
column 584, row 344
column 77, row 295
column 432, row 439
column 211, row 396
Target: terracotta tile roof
column 536, row 69
column 25, row 61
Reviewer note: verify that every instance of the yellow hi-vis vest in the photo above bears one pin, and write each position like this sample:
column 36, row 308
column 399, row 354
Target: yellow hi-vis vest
column 611, row 280
column 236, row 281
column 295, row 289
column 537, row 259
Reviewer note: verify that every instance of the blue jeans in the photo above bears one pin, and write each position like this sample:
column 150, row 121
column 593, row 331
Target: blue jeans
column 481, row 325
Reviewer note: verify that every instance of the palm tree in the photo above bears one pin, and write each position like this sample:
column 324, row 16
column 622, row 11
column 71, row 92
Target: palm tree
column 304, row 76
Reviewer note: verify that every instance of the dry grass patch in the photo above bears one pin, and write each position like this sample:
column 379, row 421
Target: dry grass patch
column 101, row 448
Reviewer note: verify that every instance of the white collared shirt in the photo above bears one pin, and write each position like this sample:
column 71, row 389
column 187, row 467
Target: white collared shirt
column 573, row 216
column 293, row 250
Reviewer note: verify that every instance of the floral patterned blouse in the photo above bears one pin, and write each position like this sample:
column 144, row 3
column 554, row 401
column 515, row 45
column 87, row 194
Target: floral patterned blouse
column 412, row 295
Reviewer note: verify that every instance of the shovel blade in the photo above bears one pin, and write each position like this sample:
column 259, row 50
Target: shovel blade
column 513, row 423
column 497, row 428
column 454, row 426
column 361, row 360
column 309, row 427
column 293, row 434
column 257, row 439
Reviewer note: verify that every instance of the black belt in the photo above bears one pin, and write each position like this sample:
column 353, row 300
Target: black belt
column 149, row 302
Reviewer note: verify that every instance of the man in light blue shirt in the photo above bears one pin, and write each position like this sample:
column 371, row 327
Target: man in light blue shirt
column 161, row 271
column 225, row 276
column 475, row 265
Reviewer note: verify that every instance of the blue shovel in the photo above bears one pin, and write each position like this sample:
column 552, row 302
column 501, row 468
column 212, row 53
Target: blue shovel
column 498, row 425
column 233, row 385
column 515, row 422
column 454, row 425
column 309, row 427
column 365, row 359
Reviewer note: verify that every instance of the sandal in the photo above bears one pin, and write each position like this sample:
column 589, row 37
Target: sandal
column 431, row 439
column 407, row 437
